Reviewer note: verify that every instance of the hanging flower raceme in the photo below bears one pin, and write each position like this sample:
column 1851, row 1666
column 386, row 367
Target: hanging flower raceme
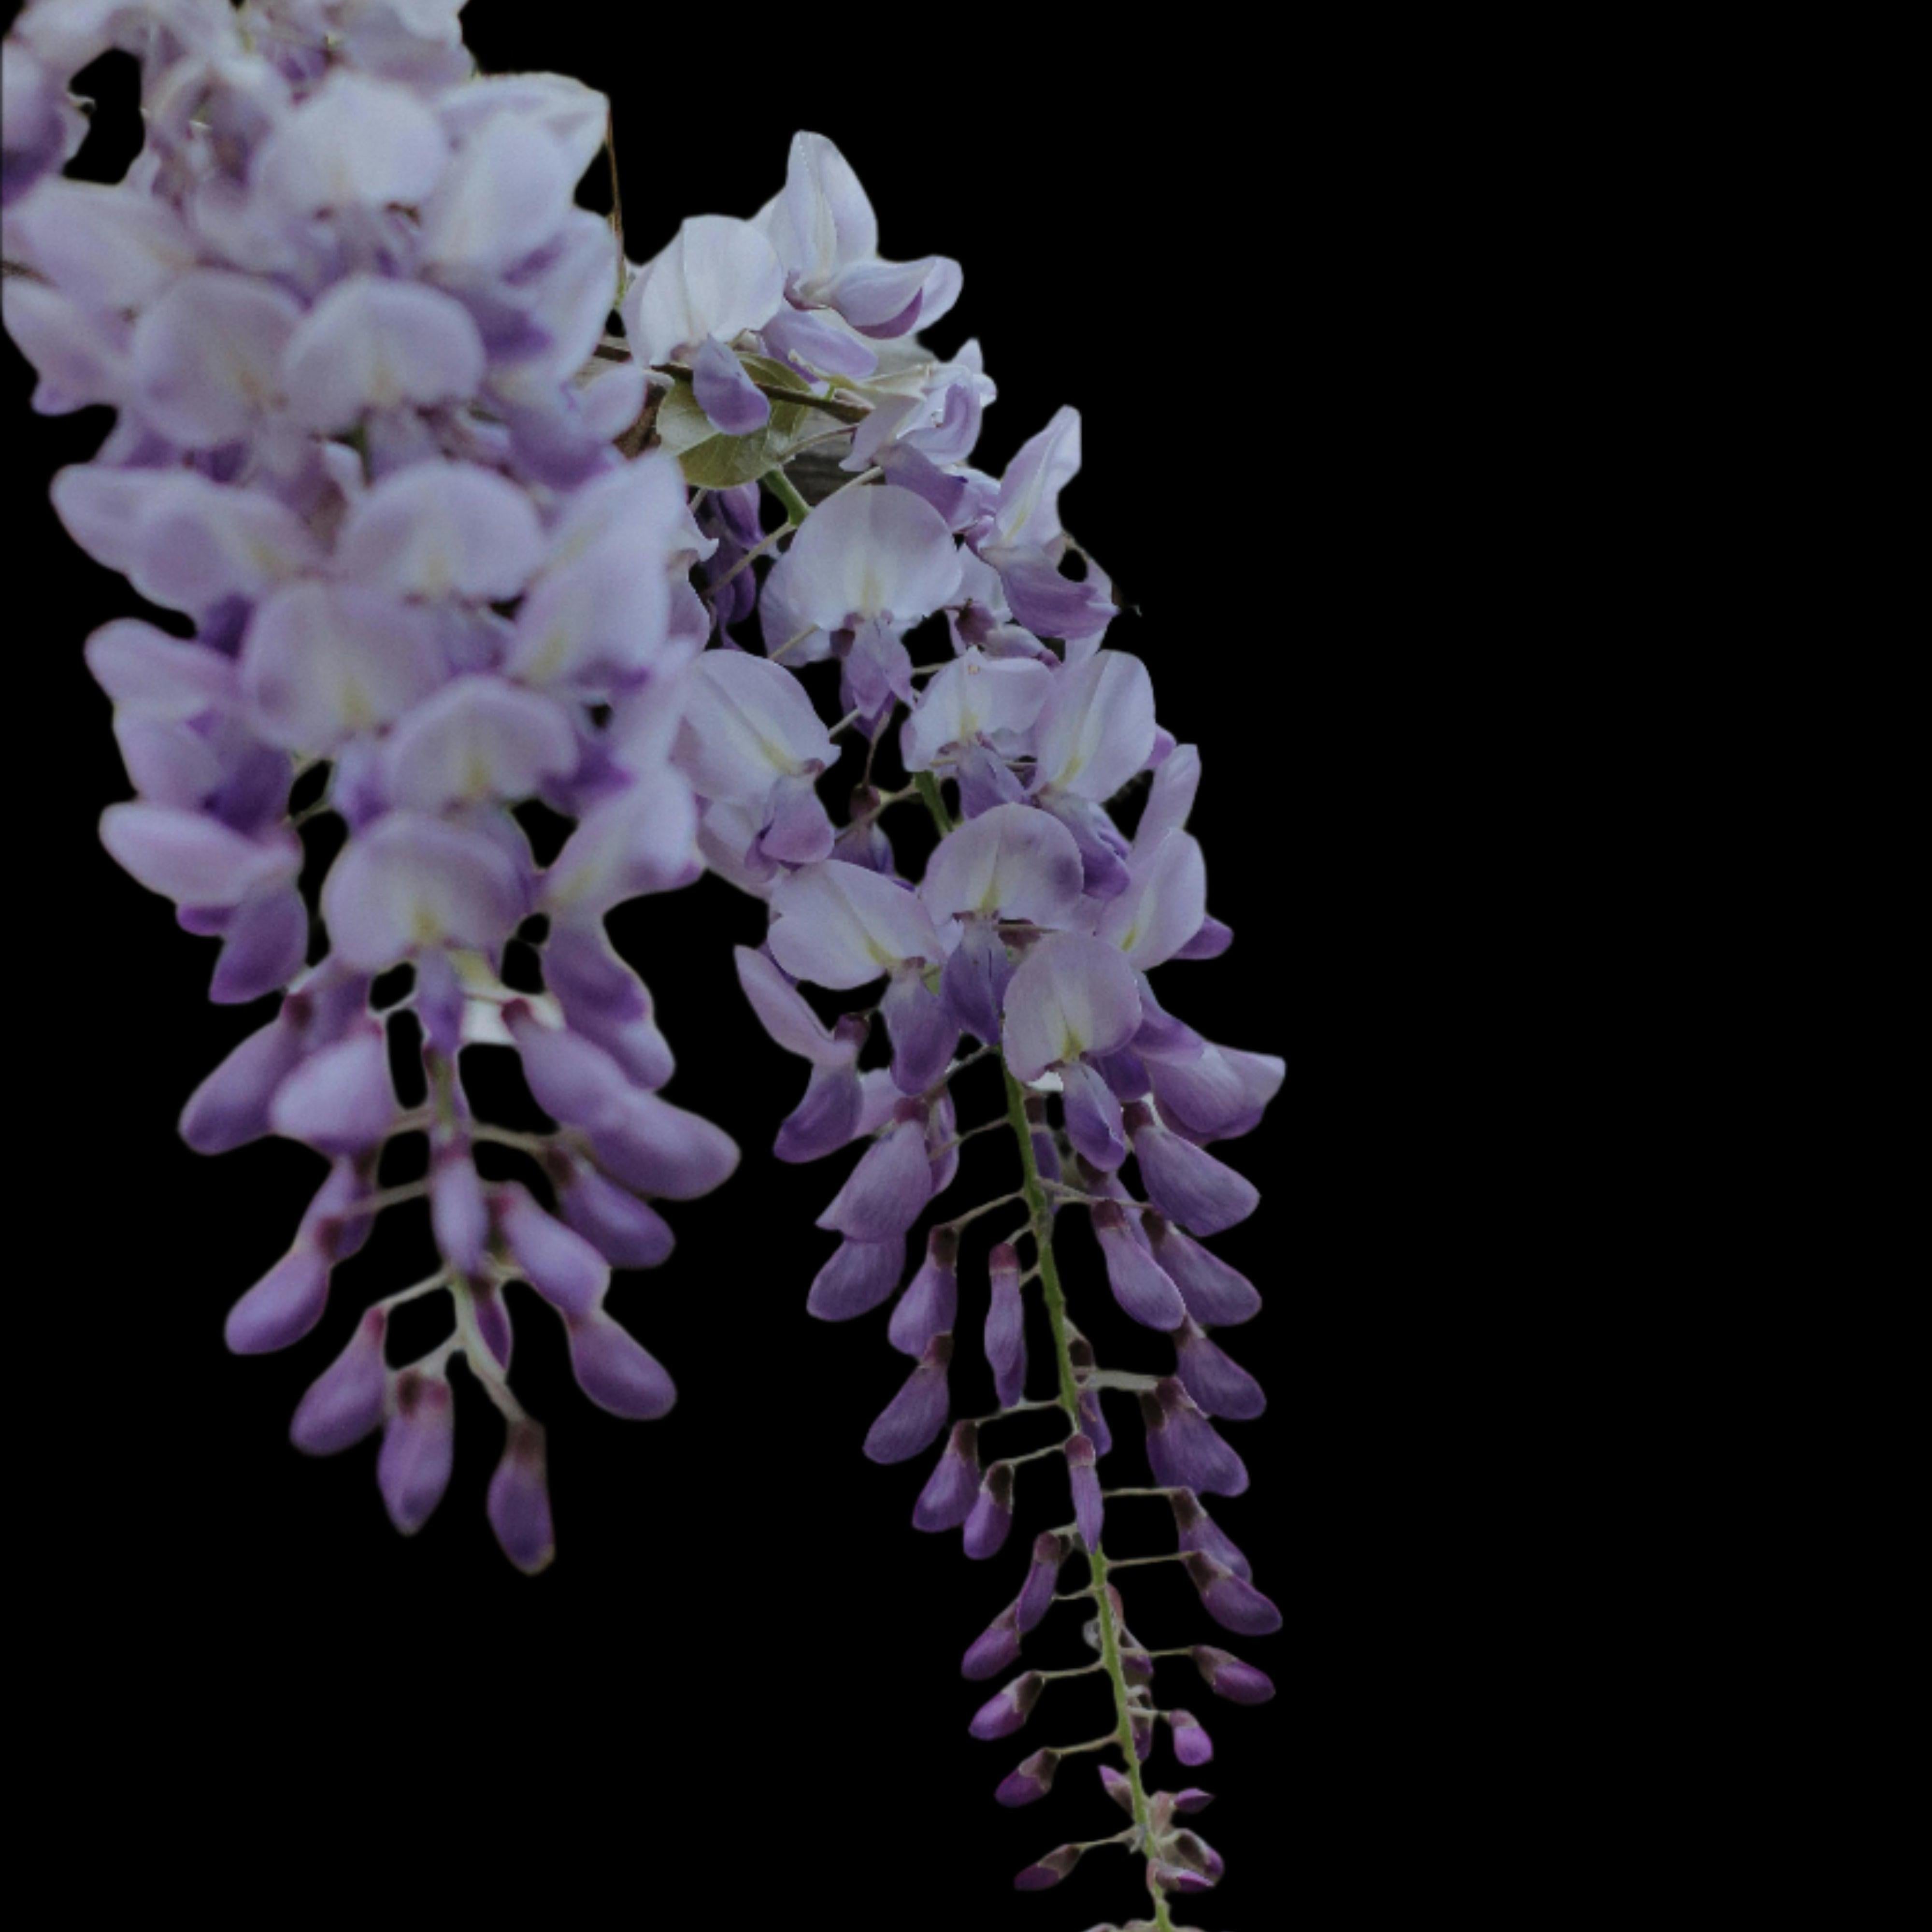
column 1028, row 937
column 342, row 304
column 427, row 523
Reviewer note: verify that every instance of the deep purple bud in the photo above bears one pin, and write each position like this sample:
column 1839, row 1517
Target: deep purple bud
column 1136, row 1666
column 1197, row 1855
column 1193, row 1799
column 458, row 1216
column 992, row 1517
column 345, row 1401
column 283, row 1306
column 1199, row 1530
column 1089, row 1509
column 1141, row 1722
column 995, row 1649
column 1217, row 1383
column 1118, row 1788
column 931, row 1304
column 615, row 1371
column 1228, row 1677
column 999, row 1717
column 1232, row 1601
column 1035, row 1597
column 558, row 1262
column 950, row 1492
column 1006, row 1326
column 1140, row 1285
column 1184, row 1447
column 857, row 1278
column 1217, row 1296
column 626, row 1232
column 419, row 1449
column 1049, row 1870
column 518, row 1506
column 1191, row 1744
column 912, row 1421
column 1032, row 1781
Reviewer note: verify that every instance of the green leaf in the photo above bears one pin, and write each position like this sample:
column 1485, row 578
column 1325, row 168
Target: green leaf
column 713, row 461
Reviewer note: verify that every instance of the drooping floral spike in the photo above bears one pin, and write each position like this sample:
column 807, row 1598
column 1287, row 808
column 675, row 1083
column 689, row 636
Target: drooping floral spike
column 1028, row 935
column 349, row 318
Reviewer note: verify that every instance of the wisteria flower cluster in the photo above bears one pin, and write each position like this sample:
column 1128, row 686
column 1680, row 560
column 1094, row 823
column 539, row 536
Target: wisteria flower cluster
column 452, row 536
column 342, row 303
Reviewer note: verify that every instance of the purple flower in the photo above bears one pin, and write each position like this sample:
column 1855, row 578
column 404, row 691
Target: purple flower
column 1006, row 1325
column 519, row 1500
column 419, row 1448
column 953, row 1488
column 992, row 1520
column 1002, row 1715
column 1089, row 1509
column 913, row 1420
column 1191, row 1744
column 1228, row 1677
column 931, row 1304
column 1031, row 1781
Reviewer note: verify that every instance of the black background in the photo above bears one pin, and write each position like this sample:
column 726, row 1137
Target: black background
column 738, row 1684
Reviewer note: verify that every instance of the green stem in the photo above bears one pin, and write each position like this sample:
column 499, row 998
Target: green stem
column 1042, row 1219
column 780, row 485
column 928, row 787
column 1069, row 1400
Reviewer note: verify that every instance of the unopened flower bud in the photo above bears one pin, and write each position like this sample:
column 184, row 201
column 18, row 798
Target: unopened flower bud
column 1002, row 1715
column 518, row 1506
column 1191, row 1744
column 1184, row 1447
column 995, row 1650
column 1006, row 1325
column 617, row 1371
column 992, row 1516
column 1232, row 1601
column 1198, row 1531
column 1228, row 1677
column 950, row 1492
column 1035, row 1599
column 1049, row 1870
column 419, row 1449
column 930, row 1306
column 345, row 1401
column 913, row 1420
column 1089, row 1509
column 1031, row 1781
column 283, row 1306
